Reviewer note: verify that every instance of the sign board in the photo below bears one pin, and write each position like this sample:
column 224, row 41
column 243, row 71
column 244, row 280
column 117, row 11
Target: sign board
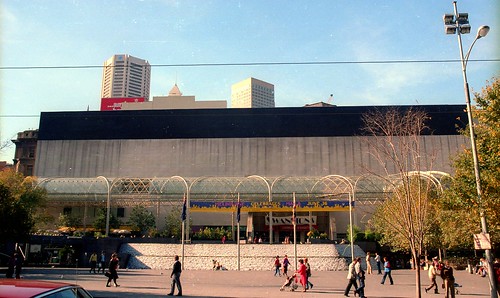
column 266, row 206
column 111, row 104
column 287, row 220
column 482, row 241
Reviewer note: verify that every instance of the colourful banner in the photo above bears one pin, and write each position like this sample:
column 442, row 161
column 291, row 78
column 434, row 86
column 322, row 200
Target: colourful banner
column 198, row 206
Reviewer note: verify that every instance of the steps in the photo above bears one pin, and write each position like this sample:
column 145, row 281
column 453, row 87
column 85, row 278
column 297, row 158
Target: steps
column 259, row 257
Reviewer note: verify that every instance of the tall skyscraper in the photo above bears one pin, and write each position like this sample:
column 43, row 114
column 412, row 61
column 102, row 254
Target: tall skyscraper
column 252, row 93
column 126, row 76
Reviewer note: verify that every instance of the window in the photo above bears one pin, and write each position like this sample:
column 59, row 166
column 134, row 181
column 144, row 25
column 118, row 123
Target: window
column 29, row 170
column 67, row 211
column 120, row 212
column 31, row 152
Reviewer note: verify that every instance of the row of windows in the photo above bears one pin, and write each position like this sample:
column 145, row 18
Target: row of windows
column 120, row 211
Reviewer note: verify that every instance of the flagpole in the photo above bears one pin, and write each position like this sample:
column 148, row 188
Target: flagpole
column 183, row 231
column 294, row 231
column 238, row 215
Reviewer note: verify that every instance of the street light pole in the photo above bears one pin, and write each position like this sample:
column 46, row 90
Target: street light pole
column 459, row 23
column 108, row 203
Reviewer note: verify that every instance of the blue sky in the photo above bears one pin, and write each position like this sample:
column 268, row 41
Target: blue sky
column 87, row 32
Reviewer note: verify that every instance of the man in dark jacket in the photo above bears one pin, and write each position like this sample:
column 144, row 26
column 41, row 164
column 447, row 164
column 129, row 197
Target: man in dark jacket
column 449, row 279
column 176, row 277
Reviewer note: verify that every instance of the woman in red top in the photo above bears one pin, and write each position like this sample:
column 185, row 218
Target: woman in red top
column 302, row 272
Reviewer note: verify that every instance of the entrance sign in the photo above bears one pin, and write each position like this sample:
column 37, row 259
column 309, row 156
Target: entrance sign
column 204, row 206
column 288, row 220
column 482, row 241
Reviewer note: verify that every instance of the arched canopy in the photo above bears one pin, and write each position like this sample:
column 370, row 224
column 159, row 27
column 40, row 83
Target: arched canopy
column 128, row 191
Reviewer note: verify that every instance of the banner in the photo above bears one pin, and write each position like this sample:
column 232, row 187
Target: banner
column 203, row 206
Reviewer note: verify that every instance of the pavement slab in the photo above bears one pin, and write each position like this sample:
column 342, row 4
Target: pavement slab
column 206, row 283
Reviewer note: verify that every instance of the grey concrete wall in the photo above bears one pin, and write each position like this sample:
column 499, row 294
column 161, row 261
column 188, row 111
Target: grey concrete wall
column 270, row 157
column 259, row 257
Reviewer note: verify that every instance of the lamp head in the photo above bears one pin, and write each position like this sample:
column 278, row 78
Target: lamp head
column 482, row 31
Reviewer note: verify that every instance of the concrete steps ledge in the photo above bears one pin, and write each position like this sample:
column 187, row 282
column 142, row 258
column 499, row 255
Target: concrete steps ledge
column 259, row 257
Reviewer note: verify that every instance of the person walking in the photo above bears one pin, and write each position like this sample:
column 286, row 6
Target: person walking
column 377, row 259
column 309, row 284
column 112, row 272
column 102, row 262
column 449, row 280
column 19, row 264
column 93, row 262
column 351, row 277
column 277, row 266
column 302, row 272
column 432, row 277
column 368, row 264
column 496, row 271
column 286, row 263
column 387, row 271
column 176, row 277
column 360, row 275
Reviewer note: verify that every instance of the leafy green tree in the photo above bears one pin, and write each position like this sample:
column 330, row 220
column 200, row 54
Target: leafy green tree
column 69, row 221
column 173, row 224
column 21, row 205
column 15, row 220
column 461, row 206
column 100, row 220
column 142, row 220
column 355, row 231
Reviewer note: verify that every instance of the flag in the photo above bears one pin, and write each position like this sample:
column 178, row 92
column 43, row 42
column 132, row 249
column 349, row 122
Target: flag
column 184, row 207
column 238, row 212
column 293, row 213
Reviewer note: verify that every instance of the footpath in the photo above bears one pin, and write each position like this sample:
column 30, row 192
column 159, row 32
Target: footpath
column 206, row 283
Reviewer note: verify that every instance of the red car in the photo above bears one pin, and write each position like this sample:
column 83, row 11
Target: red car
column 23, row 288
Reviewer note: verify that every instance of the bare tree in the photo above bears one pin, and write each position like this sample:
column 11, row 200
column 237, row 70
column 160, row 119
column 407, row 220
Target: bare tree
column 5, row 144
column 404, row 219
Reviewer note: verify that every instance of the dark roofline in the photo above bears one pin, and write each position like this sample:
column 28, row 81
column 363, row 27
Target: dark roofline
column 230, row 123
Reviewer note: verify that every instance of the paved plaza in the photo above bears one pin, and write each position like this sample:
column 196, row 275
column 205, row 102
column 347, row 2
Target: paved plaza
column 205, row 283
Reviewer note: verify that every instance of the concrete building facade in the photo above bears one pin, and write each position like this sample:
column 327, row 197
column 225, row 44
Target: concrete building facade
column 174, row 100
column 125, row 76
column 252, row 93
column 274, row 146
column 25, row 154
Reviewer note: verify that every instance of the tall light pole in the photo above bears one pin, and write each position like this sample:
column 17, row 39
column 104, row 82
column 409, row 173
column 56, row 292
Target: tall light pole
column 459, row 23
column 108, row 203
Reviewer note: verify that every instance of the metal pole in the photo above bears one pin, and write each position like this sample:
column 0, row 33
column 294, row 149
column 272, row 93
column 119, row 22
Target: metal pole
column 294, row 231
column 238, row 233
column 108, row 204
column 351, row 231
column 183, row 230
column 484, row 229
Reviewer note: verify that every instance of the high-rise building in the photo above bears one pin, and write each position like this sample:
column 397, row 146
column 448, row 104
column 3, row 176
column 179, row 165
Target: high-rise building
column 125, row 76
column 252, row 93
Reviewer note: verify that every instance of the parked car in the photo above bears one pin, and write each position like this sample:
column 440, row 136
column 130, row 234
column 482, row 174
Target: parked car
column 23, row 288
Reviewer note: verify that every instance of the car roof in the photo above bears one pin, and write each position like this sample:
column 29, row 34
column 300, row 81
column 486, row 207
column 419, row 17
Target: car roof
column 22, row 288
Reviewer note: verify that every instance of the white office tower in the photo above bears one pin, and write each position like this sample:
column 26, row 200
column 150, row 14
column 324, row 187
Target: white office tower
column 126, row 76
column 252, row 93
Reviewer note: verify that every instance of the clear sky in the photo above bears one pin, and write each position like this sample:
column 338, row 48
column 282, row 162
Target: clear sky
column 175, row 35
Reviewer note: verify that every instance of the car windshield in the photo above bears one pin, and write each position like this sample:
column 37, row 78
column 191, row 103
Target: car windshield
column 67, row 293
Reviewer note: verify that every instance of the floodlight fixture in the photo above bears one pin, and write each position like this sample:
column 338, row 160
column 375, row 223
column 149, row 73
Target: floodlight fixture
column 448, row 19
column 450, row 29
column 465, row 29
column 463, row 18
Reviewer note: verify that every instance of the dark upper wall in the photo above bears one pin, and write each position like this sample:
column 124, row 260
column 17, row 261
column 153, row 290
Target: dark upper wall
column 230, row 123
